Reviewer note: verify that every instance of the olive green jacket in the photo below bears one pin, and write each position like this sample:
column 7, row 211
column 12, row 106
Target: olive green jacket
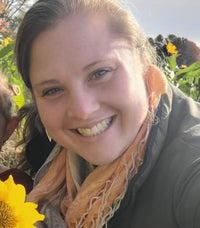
column 165, row 193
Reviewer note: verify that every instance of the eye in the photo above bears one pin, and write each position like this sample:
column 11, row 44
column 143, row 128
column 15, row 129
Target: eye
column 99, row 74
column 51, row 91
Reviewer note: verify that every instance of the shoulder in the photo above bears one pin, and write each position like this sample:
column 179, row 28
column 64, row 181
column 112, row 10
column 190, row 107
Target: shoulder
column 181, row 156
column 176, row 101
column 187, row 196
column 183, row 116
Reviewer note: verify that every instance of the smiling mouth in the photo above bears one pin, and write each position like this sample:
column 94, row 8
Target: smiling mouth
column 95, row 130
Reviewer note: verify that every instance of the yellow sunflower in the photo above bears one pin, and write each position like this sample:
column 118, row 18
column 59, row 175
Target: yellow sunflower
column 171, row 48
column 14, row 211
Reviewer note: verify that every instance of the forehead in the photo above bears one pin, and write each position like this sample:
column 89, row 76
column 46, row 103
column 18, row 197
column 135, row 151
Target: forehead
column 74, row 42
column 75, row 34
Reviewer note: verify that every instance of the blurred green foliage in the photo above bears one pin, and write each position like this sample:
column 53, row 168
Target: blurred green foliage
column 188, row 80
column 8, row 68
column 11, row 13
column 179, row 59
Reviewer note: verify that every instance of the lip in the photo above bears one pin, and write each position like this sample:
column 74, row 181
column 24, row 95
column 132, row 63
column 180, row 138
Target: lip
column 74, row 131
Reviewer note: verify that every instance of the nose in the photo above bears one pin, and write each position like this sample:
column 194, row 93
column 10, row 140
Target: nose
column 82, row 104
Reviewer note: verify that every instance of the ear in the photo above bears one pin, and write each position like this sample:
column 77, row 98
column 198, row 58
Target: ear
column 11, row 126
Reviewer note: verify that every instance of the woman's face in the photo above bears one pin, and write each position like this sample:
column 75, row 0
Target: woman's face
column 89, row 88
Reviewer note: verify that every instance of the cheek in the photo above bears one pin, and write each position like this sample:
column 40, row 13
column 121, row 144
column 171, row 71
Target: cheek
column 49, row 114
column 129, row 89
column 139, row 99
column 134, row 99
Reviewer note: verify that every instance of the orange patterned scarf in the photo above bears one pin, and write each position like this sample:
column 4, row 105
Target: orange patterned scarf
column 99, row 196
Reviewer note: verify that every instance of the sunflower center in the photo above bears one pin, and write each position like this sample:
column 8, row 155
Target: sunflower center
column 7, row 218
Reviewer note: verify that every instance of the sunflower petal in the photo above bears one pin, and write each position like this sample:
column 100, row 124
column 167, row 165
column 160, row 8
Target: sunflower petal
column 3, row 191
column 24, row 213
column 30, row 208
column 16, row 192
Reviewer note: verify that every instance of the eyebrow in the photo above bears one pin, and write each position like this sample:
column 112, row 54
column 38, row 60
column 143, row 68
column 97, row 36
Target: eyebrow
column 91, row 65
column 45, row 82
column 100, row 61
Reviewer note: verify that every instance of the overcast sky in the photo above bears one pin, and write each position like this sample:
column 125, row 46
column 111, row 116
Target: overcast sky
column 178, row 17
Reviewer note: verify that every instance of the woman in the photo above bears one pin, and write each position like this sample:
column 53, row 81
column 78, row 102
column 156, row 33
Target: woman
column 127, row 142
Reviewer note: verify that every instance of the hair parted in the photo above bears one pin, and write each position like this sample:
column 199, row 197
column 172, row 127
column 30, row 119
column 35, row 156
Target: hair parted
column 45, row 14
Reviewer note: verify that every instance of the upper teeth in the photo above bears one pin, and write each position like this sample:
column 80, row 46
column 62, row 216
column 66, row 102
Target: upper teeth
column 97, row 129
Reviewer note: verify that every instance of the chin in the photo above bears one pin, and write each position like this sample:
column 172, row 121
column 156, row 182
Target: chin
column 102, row 161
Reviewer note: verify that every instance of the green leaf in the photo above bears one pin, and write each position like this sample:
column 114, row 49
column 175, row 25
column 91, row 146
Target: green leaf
column 191, row 71
column 195, row 66
column 19, row 100
column 5, row 50
column 172, row 61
